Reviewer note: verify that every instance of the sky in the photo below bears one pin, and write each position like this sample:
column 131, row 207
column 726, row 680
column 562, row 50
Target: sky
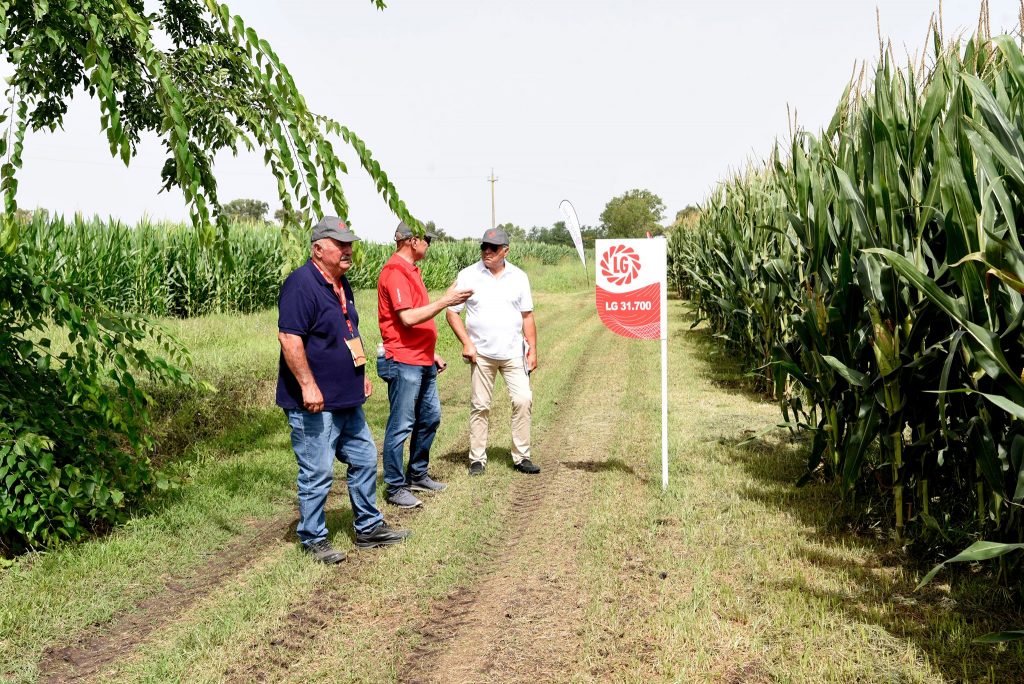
column 563, row 99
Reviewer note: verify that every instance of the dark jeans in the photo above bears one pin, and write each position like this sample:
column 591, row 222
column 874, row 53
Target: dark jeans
column 415, row 415
column 319, row 438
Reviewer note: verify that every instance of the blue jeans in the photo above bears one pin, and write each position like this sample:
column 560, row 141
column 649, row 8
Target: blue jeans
column 319, row 438
column 415, row 415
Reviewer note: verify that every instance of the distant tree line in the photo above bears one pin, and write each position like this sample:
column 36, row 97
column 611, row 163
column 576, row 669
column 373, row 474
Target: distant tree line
column 636, row 213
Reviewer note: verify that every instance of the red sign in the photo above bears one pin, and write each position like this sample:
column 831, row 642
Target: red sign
column 631, row 286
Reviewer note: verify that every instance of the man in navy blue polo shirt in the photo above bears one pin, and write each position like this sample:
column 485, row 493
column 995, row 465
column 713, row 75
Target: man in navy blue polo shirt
column 322, row 385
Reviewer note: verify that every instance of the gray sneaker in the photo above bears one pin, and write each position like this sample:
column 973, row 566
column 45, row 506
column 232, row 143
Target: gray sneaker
column 426, row 484
column 403, row 498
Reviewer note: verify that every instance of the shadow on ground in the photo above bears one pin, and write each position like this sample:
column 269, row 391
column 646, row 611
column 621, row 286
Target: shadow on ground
column 608, row 465
column 720, row 365
column 941, row 620
column 238, row 419
column 237, row 416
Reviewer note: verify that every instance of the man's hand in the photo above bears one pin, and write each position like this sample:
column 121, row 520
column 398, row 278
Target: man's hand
column 469, row 352
column 440, row 363
column 367, row 387
column 531, row 360
column 453, row 297
column 312, row 399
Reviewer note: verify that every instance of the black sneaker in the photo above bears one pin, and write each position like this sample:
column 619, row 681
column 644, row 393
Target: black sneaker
column 381, row 535
column 526, row 466
column 324, row 552
column 477, row 468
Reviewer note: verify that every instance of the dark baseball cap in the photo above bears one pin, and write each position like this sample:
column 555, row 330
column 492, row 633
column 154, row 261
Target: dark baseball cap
column 495, row 236
column 404, row 232
column 333, row 227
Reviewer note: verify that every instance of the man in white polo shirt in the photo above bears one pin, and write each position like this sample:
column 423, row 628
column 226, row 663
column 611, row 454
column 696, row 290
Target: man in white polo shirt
column 499, row 336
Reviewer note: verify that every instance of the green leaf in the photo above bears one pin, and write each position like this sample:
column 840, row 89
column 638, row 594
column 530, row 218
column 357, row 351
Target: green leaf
column 1013, row 408
column 978, row 551
column 988, row 341
column 1000, row 637
column 850, row 375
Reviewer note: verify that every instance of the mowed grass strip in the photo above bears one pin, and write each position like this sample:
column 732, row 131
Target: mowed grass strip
column 525, row 621
column 736, row 575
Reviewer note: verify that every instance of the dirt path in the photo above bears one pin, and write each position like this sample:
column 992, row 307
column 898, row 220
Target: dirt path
column 523, row 617
column 519, row 616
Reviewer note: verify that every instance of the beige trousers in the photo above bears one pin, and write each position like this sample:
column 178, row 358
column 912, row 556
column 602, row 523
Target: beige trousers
column 484, row 372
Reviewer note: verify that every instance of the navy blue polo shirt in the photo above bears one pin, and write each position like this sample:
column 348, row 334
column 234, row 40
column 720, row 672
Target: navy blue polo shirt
column 308, row 307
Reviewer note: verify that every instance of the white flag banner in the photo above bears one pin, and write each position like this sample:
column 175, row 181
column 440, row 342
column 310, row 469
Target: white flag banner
column 572, row 224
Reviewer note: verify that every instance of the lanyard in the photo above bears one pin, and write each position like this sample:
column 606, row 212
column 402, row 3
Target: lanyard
column 339, row 292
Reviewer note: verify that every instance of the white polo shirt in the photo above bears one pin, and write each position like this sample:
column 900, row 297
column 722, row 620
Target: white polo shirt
column 494, row 314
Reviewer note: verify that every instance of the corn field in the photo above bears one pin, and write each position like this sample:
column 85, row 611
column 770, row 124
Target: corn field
column 873, row 275
column 164, row 269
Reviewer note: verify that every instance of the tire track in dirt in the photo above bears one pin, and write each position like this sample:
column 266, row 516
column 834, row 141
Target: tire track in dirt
column 94, row 649
column 286, row 647
column 521, row 619
column 269, row 659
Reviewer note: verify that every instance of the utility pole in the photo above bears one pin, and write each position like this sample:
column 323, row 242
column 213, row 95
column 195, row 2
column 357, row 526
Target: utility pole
column 492, row 180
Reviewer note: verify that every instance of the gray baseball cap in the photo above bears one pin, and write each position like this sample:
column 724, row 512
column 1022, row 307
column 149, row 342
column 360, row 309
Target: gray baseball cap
column 495, row 236
column 404, row 232
column 333, row 227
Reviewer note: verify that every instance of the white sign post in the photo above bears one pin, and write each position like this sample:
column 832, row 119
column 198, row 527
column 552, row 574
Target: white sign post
column 632, row 301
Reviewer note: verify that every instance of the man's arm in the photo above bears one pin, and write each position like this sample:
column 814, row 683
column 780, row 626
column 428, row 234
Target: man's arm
column 459, row 328
column 453, row 297
column 530, row 333
column 294, row 352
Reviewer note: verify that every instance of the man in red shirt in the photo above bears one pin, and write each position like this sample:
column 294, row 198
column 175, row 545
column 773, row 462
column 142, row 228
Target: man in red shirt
column 410, row 366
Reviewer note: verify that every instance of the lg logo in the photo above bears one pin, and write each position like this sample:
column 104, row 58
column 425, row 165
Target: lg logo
column 620, row 265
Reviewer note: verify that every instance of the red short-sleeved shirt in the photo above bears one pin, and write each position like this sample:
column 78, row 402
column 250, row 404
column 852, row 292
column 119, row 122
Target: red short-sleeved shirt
column 401, row 287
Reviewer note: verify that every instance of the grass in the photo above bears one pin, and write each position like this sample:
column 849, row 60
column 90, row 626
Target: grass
column 732, row 575
column 759, row 584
